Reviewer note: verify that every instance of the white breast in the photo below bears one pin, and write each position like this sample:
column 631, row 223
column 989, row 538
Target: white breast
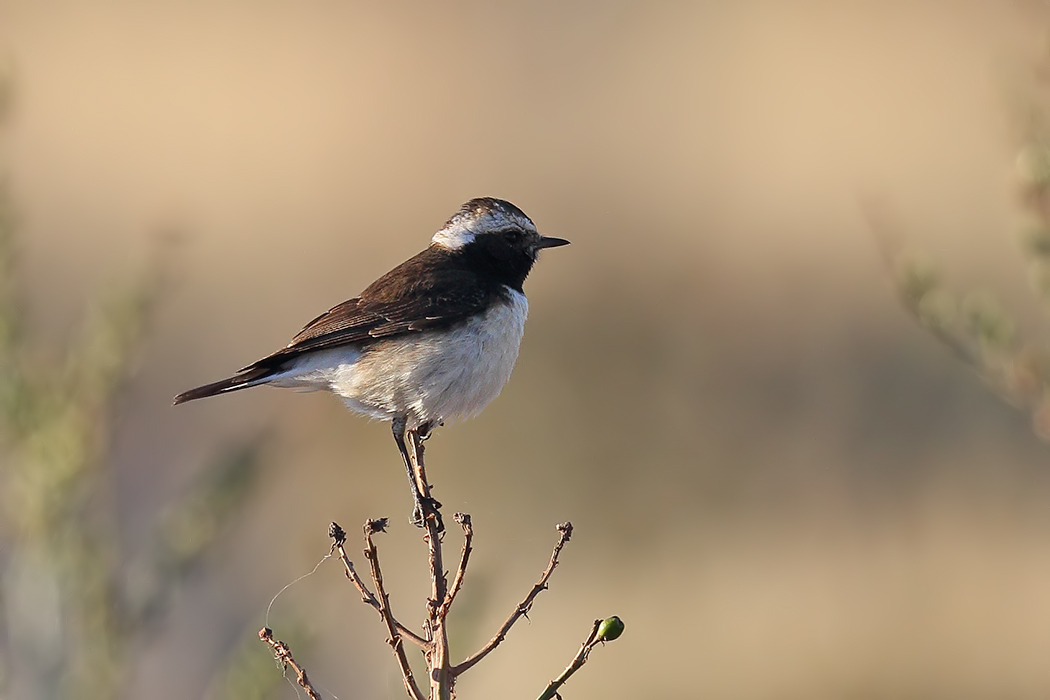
column 440, row 375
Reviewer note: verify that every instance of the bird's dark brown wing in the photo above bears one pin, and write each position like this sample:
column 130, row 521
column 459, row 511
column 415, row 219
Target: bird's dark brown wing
column 415, row 296
column 434, row 289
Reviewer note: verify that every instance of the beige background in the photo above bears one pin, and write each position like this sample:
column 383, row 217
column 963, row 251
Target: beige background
column 782, row 485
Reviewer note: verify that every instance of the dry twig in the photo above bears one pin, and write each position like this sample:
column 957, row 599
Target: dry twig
column 339, row 539
column 394, row 637
column 523, row 608
column 457, row 583
column 441, row 673
column 284, row 655
column 437, row 654
column 593, row 640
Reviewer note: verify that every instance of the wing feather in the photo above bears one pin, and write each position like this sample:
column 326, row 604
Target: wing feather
column 434, row 289
column 413, row 297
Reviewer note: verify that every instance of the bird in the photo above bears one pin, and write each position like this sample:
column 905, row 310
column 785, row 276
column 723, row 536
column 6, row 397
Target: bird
column 432, row 341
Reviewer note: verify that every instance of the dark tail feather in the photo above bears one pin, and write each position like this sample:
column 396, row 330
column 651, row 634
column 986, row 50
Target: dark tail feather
column 251, row 377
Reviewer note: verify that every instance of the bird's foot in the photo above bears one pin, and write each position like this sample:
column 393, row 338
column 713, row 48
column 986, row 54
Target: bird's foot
column 426, row 507
column 426, row 430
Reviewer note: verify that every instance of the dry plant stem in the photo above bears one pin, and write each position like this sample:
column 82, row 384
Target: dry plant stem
column 523, row 608
column 284, row 655
column 368, row 597
column 551, row 691
column 437, row 655
column 457, row 583
column 442, row 675
column 394, row 637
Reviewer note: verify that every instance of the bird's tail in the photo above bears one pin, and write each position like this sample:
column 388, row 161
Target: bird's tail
column 251, row 376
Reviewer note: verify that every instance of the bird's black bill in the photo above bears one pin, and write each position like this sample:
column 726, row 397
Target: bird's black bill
column 550, row 242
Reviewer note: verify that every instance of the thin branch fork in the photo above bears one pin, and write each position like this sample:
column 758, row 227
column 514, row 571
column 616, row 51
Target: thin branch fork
column 523, row 607
column 284, row 655
column 442, row 675
column 394, row 637
column 339, row 539
column 434, row 642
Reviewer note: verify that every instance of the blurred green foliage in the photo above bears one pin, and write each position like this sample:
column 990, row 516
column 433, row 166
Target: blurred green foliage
column 981, row 333
column 974, row 325
column 69, row 618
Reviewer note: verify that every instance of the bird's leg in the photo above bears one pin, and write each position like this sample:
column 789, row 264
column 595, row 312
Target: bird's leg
column 418, row 513
column 429, row 504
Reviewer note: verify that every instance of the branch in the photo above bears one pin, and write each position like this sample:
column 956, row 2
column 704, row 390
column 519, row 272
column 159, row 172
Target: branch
column 523, row 608
column 339, row 536
column 457, row 583
column 437, row 654
column 394, row 639
column 596, row 637
column 284, row 655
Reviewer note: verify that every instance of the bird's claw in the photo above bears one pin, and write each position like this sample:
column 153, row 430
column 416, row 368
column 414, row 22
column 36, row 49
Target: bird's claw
column 423, row 508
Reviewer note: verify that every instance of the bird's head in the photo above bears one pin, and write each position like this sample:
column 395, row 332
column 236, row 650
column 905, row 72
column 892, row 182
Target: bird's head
column 497, row 236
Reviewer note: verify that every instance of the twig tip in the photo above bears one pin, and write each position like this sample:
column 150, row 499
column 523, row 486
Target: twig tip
column 377, row 525
column 337, row 533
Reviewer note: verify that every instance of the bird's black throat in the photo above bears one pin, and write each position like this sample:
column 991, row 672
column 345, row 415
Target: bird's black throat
column 497, row 260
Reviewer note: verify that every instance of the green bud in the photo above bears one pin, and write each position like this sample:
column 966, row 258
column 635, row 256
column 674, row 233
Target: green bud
column 610, row 629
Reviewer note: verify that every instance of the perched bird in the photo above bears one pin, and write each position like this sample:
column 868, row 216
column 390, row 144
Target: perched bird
column 432, row 341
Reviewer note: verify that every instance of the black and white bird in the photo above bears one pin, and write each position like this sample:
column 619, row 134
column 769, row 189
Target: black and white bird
column 432, row 341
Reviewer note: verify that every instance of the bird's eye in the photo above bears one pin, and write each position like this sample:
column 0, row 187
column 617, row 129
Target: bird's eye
column 512, row 236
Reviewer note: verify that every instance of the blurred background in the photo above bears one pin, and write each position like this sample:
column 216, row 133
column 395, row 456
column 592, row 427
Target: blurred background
column 783, row 484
